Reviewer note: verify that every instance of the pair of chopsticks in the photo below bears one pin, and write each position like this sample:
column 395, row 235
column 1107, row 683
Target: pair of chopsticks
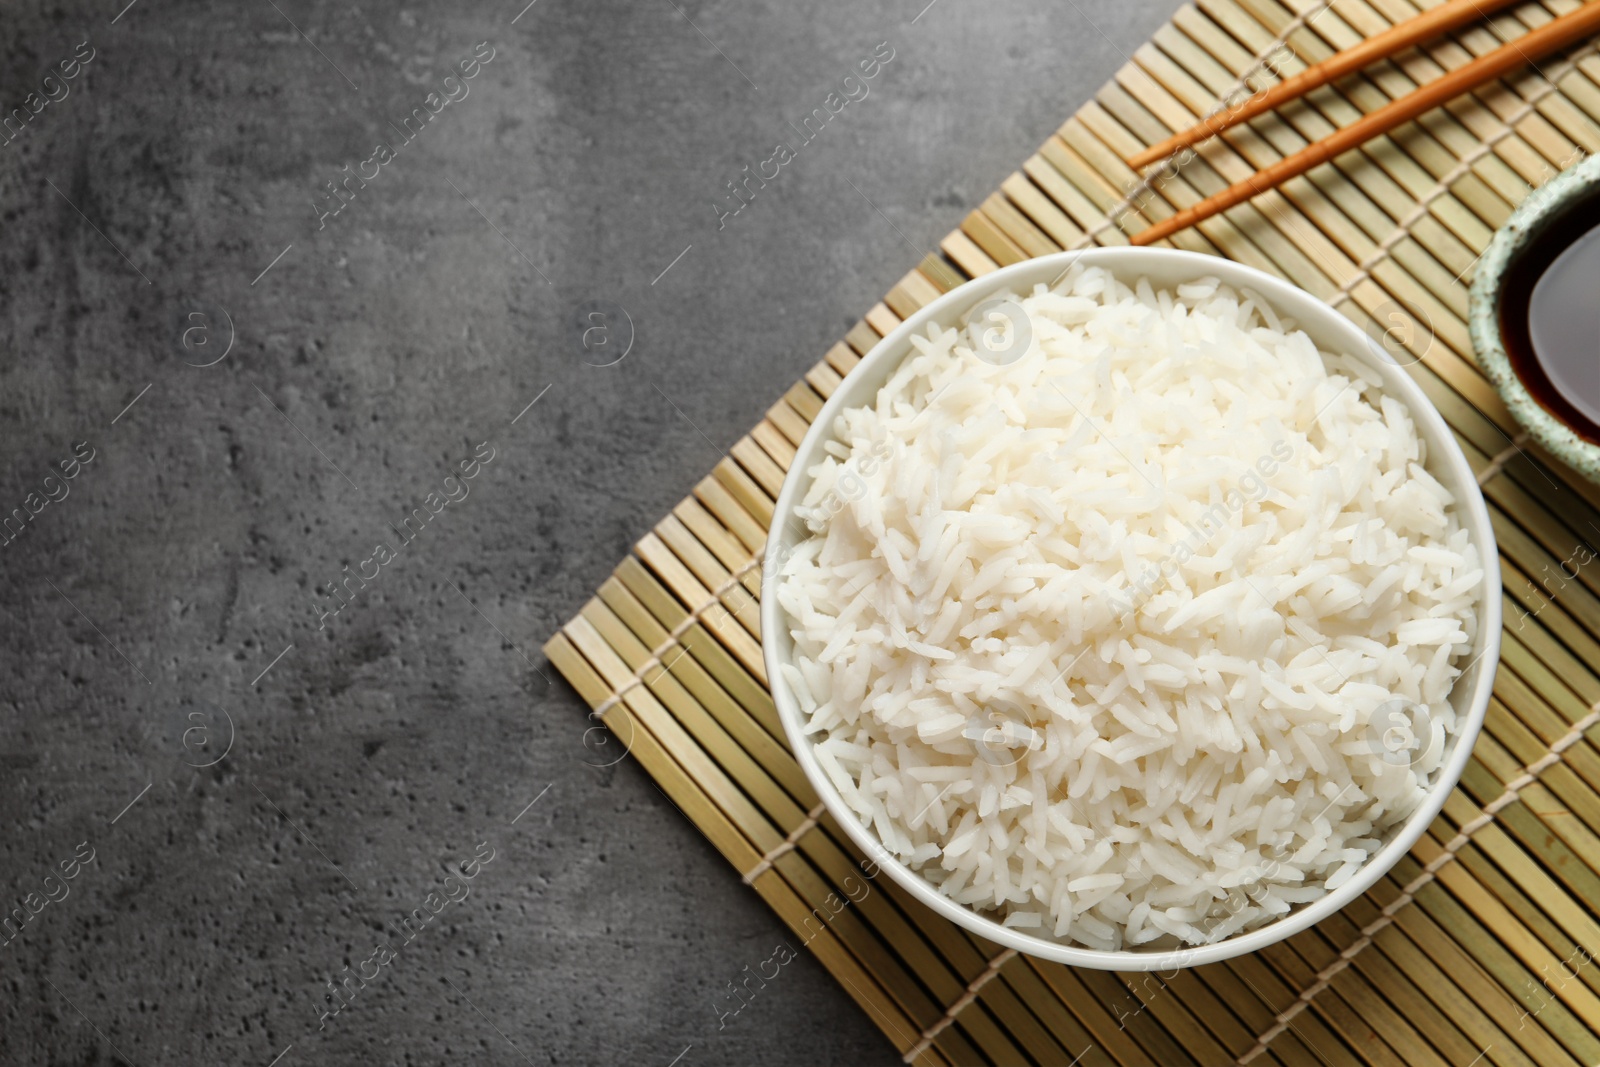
column 1551, row 37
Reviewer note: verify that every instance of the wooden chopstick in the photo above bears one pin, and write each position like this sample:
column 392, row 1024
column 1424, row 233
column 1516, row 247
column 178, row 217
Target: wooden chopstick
column 1551, row 37
column 1429, row 24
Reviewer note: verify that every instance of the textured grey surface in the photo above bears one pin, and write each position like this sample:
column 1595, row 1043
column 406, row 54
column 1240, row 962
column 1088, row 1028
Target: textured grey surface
column 184, row 558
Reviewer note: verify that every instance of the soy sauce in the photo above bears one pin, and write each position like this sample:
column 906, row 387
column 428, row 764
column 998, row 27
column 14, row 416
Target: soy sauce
column 1550, row 317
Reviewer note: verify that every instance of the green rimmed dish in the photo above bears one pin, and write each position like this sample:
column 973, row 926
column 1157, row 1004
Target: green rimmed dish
column 1573, row 192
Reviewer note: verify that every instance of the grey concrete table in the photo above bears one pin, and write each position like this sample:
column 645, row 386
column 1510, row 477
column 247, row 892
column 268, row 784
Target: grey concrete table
column 244, row 345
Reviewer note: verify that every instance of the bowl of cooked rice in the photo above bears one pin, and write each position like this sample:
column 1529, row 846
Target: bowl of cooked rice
column 1131, row 608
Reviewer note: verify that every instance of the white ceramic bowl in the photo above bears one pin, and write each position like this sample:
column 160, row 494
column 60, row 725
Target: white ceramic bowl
column 1331, row 332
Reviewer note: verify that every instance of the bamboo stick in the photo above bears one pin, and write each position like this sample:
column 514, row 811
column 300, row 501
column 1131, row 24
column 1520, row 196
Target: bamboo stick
column 1431, row 23
column 1541, row 42
column 1438, row 954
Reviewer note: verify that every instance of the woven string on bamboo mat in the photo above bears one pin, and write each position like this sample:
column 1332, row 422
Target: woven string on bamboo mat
column 1477, row 948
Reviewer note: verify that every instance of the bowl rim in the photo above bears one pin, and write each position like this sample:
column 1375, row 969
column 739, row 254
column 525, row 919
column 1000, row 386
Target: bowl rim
column 1323, row 323
column 1531, row 218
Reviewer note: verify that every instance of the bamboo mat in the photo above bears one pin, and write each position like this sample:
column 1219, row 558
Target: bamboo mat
column 1477, row 948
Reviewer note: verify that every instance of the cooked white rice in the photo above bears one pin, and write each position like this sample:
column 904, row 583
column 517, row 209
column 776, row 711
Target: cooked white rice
column 1142, row 638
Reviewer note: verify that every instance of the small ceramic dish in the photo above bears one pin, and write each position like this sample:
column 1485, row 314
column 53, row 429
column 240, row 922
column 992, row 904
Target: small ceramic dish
column 1546, row 206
